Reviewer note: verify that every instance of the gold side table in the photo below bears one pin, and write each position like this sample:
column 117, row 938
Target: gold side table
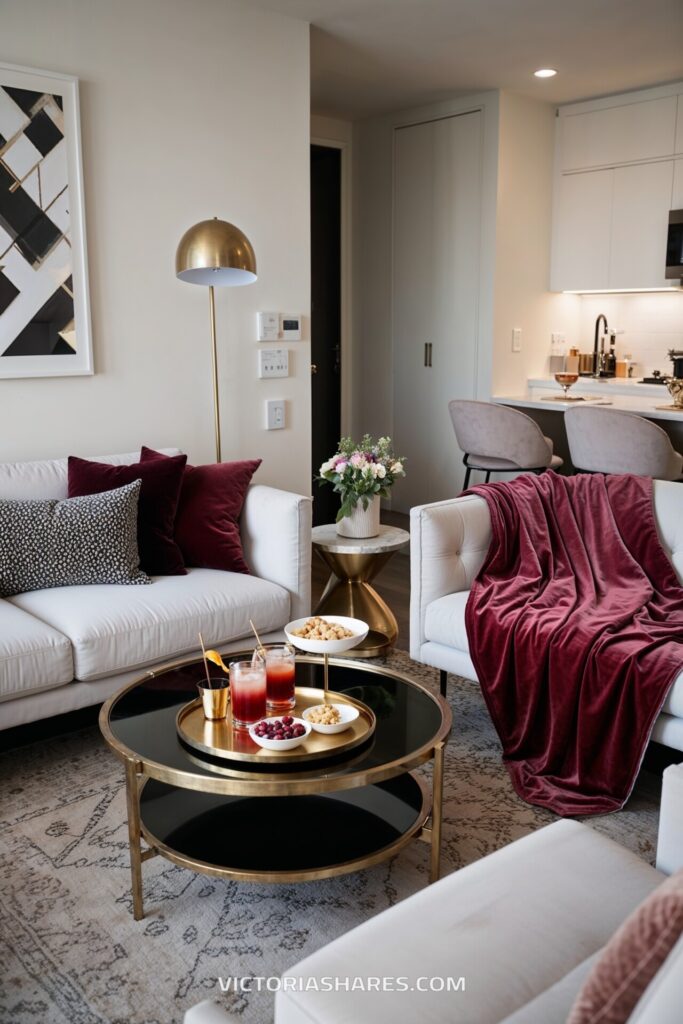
column 354, row 562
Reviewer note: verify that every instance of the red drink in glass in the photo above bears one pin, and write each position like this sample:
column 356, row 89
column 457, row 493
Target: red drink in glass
column 247, row 692
column 280, row 671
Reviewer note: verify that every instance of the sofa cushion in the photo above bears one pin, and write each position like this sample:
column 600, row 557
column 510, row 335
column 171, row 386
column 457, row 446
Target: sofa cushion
column 445, row 624
column 70, row 542
column 33, row 656
column 118, row 628
column 160, row 489
column 445, row 621
column 207, row 526
column 512, row 924
column 47, row 478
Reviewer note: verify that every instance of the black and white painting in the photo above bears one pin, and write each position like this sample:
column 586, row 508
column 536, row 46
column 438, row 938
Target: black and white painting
column 44, row 309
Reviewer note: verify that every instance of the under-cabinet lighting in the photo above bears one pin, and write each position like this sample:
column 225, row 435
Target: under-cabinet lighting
column 617, row 291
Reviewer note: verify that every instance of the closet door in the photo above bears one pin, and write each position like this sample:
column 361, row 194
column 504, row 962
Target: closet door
column 435, row 298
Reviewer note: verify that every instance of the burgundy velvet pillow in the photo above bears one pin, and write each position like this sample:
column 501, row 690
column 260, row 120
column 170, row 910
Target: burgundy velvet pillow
column 211, row 499
column 160, row 555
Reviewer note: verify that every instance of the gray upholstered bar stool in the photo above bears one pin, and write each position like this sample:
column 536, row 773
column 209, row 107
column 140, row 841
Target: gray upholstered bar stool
column 497, row 439
column 611, row 441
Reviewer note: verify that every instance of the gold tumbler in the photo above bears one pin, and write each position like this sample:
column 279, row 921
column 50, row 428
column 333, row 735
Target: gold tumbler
column 215, row 695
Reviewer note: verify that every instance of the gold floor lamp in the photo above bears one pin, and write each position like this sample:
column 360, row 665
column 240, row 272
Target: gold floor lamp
column 219, row 255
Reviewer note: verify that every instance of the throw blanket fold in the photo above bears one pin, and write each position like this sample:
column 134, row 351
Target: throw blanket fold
column 575, row 625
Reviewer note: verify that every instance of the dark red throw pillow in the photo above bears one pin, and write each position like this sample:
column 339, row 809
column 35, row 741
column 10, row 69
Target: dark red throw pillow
column 207, row 524
column 160, row 555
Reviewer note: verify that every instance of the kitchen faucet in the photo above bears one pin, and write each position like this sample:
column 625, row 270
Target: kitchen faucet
column 596, row 362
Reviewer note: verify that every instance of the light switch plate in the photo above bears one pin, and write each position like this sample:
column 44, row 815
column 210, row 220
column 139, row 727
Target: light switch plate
column 516, row 339
column 273, row 362
column 275, row 414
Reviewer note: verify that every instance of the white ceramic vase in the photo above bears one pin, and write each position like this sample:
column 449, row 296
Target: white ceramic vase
column 363, row 522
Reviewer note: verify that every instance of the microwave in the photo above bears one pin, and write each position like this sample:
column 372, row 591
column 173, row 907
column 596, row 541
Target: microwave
column 674, row 245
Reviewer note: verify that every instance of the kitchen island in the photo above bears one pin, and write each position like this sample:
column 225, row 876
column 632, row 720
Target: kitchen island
column 543, row 401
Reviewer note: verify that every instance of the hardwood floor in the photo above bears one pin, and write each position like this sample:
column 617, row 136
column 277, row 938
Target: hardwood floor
column 392, row 584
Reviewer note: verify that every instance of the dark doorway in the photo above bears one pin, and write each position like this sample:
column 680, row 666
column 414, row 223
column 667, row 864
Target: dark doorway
column 325, row 320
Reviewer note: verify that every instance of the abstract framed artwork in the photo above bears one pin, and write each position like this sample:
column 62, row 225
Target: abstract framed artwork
column 44, row 308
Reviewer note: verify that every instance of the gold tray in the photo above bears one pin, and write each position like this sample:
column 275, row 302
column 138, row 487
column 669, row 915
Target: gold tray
column 220, row 739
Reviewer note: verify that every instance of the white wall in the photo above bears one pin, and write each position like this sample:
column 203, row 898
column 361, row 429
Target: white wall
column 652, row 323
column 523, row 228
column 188, row 110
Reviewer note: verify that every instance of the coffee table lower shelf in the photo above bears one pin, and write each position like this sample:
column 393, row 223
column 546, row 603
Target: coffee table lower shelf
column 283, row 839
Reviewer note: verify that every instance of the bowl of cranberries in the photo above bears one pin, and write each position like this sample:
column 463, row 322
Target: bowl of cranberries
column 284, row 733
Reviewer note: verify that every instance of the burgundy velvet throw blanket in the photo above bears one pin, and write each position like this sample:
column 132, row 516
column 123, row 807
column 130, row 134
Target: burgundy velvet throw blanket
column 575, row 625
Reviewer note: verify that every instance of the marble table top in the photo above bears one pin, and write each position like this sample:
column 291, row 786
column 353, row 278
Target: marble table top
column 391, row 538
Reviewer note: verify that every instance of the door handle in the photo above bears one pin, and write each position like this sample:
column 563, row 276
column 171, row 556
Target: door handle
column 314, row 368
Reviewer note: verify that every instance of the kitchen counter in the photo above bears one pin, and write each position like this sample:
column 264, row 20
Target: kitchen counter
column 614, row 386
column 625, row 396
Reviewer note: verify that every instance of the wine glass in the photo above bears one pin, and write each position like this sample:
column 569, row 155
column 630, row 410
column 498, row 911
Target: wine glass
column 565, row 380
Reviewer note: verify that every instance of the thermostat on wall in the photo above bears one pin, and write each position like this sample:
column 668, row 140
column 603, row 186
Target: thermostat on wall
column 290, row 327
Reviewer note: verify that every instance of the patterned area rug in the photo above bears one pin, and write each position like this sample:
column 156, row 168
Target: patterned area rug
column 71, row 952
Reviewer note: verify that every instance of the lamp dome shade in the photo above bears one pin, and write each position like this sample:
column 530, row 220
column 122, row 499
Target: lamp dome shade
column 214, row 252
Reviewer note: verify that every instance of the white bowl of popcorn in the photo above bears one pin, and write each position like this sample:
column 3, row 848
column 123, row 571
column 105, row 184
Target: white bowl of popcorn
column 330, row 718
column 326, row 634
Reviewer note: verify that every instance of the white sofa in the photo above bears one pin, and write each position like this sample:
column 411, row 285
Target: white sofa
column 70, row 647
column 522, row 926
column 448, row 543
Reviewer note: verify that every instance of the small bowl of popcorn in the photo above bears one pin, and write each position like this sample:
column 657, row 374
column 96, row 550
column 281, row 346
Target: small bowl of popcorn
column 330, row 718
column 328, row 634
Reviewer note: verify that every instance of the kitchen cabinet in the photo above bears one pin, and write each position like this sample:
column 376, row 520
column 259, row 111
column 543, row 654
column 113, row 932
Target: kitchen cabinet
column 640, row 219
column 615, row 181
column 435, row 289
column 633, row 130
column 581, row 231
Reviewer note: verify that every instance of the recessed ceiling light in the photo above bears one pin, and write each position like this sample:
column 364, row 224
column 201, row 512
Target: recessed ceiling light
column 545, row 73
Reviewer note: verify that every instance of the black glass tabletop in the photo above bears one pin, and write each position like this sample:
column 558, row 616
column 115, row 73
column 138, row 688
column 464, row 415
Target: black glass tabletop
column 140, row 722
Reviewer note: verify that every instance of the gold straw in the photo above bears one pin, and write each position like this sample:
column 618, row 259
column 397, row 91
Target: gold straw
column 258, row 638
column 206, row 667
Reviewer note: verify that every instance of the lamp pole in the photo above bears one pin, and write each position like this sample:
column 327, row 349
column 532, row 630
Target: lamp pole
column 214, row 363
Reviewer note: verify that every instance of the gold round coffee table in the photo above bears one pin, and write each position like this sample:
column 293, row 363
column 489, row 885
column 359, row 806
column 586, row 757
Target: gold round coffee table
column 294, row 822
column 354, row 562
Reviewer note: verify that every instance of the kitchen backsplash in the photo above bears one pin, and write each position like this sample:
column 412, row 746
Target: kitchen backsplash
column 652, row 323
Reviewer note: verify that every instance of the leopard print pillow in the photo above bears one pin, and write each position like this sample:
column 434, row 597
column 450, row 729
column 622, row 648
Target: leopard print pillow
column 71, row 542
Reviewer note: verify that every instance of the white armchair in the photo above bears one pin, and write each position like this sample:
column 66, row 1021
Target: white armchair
column 448, row 544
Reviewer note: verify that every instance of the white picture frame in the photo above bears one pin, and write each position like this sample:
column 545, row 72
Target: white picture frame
column 35, row 259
